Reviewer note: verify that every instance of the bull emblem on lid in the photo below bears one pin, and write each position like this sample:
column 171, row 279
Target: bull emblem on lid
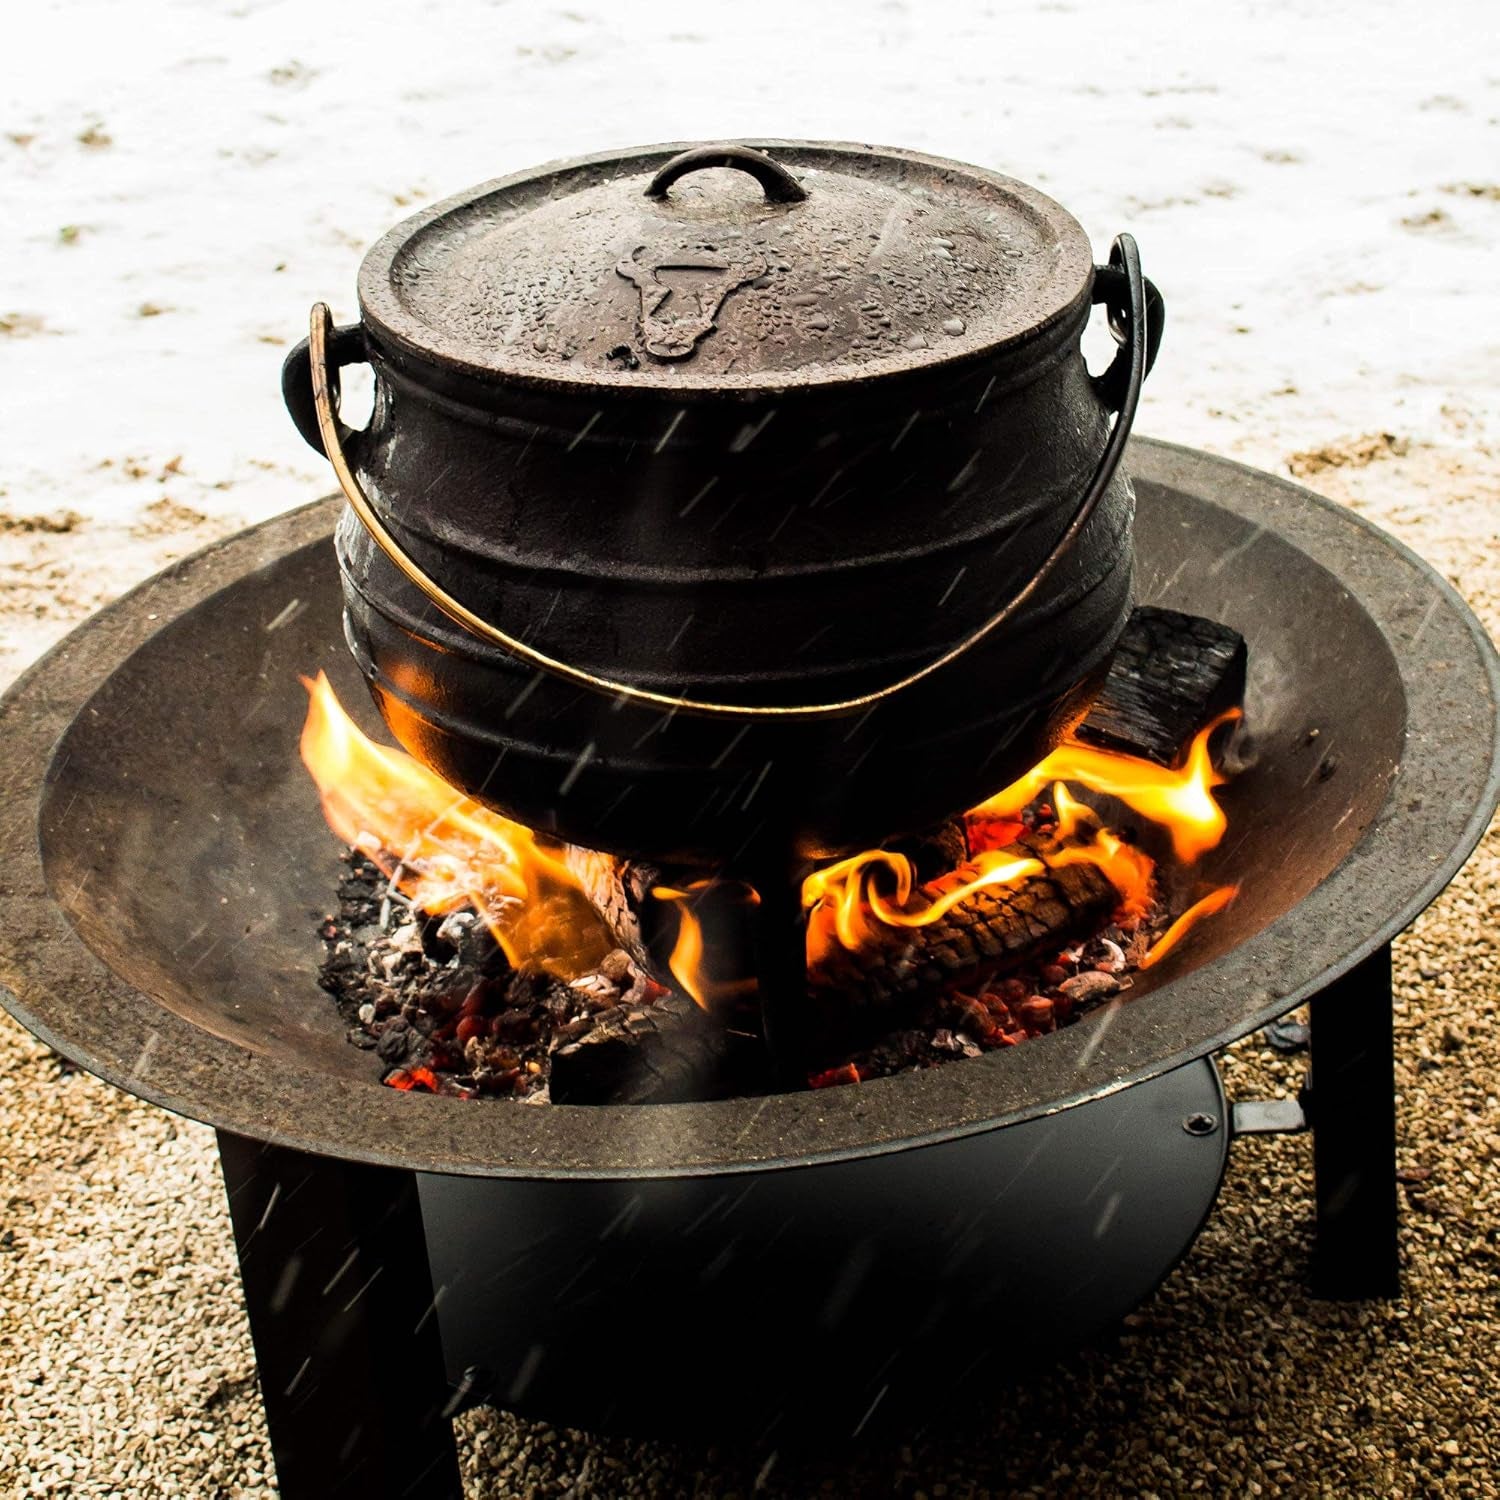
column 675, row 318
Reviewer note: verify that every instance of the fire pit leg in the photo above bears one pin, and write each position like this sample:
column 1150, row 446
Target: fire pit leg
column 1354, row 1134
column 334, row 1264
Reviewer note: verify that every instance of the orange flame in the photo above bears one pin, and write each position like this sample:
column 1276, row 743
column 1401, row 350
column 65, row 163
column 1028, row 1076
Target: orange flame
column 1214, row 901
column 687, row 963
column 442, row 850
column 1180, row 800
column 1126, row 868
column 849, row 897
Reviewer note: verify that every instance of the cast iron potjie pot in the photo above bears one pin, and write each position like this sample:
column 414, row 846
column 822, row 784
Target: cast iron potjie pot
column 724, row 501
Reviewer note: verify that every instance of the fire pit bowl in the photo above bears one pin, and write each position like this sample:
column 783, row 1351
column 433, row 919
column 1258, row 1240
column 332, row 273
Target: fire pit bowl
column 793, row 1258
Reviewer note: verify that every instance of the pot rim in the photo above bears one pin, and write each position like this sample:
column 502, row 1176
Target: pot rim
column 397, row 333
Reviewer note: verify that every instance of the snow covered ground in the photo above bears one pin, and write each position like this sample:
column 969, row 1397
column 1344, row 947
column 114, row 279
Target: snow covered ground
column 1314, row 186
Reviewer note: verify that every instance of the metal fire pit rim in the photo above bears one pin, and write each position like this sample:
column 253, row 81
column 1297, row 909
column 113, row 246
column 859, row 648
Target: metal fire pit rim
column 183, row 1068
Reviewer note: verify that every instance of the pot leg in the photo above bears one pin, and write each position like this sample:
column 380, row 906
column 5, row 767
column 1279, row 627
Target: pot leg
column 781, row 972
column 1353, row 1099
column 333, row 1258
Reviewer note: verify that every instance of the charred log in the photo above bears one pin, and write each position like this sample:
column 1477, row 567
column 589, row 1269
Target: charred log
column 1171, row 674
column 664, row 1053
column 620, row 891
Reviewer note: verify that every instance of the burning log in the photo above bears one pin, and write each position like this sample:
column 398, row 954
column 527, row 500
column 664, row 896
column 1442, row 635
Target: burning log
column 991, row 928
column 620, row 891
column 1171, row 674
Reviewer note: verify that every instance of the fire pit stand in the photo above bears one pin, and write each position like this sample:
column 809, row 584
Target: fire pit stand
column 333, row 1258
column 405, row 1255
column 1352, row 1103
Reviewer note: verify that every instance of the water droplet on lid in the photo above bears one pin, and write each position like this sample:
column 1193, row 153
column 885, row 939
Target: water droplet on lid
column 917, row 341
column 954, row 326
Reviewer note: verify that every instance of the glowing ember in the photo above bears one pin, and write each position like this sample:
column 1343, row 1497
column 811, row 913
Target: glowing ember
column 443, row 851
column 833, row 1077
column 422, row 1080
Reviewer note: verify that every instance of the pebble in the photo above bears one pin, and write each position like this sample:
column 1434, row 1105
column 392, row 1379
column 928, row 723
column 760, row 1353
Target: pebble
column 1288, row 1036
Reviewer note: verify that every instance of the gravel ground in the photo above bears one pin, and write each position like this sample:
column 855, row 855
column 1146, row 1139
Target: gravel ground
column 1346, row 155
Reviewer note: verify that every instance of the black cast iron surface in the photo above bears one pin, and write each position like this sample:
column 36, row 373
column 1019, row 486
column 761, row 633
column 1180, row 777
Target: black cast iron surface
column 874, row 439
column 165, row 858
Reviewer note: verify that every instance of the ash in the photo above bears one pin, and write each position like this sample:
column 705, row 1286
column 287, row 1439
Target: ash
column 438, row 1003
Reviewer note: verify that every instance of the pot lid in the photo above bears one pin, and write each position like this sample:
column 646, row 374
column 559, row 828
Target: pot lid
column 740, row 266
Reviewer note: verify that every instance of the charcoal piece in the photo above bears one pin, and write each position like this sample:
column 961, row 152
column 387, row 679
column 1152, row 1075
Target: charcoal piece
column 667, row 1052
column 395, row 1041
column 1170, row 675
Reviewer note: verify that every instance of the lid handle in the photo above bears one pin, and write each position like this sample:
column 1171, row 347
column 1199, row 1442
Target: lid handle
column 780, row 185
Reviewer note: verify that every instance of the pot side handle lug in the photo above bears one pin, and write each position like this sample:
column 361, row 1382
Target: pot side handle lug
column 346, row 346
column 1112, row 289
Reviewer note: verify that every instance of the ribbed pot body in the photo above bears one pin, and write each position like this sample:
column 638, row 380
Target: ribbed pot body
column 804, row 547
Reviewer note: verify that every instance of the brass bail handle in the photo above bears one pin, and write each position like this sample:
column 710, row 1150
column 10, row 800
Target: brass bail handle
column 1130, row 327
